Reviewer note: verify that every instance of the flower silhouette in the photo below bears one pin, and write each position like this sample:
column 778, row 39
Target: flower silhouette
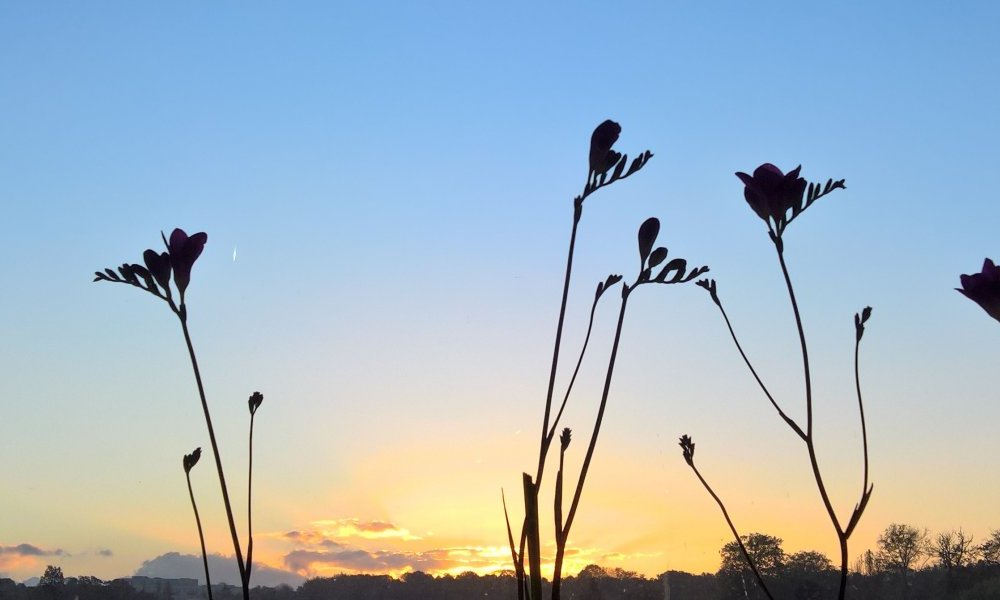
column 983, row 288
column 778, row 197
column 159, row 267
column 602, row 157
column 771, row 193
column 190, row 460
column 184, row 251
column 254, row 402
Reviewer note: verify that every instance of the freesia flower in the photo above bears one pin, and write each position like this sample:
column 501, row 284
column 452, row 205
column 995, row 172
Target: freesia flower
column 254, row 402
column 190, row 460
column 184, row 251
column 687, row 445
column 602, row 157
column 983, row 288
column 771, row 193
column 159, row 267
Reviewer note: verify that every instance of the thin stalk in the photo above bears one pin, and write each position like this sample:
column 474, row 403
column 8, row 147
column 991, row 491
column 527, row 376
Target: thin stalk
column 218, row 460
column 560, row 539
column 546, row 438
column 732, row 528
column 518, row 565
column 534, row 541
column 593, row 438
column 810, row 445
column 791, row 422
column 201, row 536
column 576, row 371
column 531, row 487
column 249, row 564
column 861, row 409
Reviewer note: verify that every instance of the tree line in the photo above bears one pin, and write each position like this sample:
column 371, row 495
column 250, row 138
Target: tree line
column 908, row 563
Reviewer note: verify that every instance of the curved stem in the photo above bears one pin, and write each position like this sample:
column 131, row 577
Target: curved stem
column 808, row 382
column 590, row 326
column 732, row 528
column 218, row 459
column 791, row 422
column 201, row 536
column 861, row 409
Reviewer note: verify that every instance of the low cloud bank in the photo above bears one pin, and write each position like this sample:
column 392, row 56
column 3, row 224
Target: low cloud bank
column 223, row 569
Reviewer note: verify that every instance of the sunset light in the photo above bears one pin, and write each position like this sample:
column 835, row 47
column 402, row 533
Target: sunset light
column 528, row 299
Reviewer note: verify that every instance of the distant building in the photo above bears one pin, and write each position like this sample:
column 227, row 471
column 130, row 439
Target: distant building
column 168, row 589
column 7, row 586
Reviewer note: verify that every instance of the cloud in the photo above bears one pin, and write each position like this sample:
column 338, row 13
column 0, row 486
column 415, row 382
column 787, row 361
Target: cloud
column 222, row 569
column 313, row 562
column 351, row 528
column 105, row 552
column 25, row 556
column 29, row 550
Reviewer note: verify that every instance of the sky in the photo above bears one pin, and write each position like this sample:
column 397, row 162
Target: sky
column 387, row 191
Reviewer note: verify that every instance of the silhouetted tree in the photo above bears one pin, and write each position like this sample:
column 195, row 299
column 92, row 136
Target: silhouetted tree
column 735, row 574
column 900, row 546
column 808, row 575
column 953, row 549
column 52, row 576
column 989, row 550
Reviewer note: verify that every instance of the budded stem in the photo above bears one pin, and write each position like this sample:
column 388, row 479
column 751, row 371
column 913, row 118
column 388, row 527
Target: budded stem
column 218, row 458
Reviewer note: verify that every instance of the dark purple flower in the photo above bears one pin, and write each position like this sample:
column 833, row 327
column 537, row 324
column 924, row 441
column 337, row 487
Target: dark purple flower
column 159, row 268
column 564, row 438
column 602, row 157
column 771, row 193
column 255, row 401
column 190, row 460
column 984, row 288
column 687, row 445
column 184, row 251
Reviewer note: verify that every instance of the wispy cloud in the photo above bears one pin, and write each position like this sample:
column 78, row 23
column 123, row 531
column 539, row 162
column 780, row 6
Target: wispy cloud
column 105, row 552
column 335, row 529
column 29, row 550
column 25, row 556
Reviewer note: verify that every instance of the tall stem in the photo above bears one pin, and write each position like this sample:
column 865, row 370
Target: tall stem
column 531, row 488
column 201, row 536
column 218, row 459
column 861, row 409
column 249, row 564
column 810, row 442
column 593, row 437
column 546, row 437
column 534, row 541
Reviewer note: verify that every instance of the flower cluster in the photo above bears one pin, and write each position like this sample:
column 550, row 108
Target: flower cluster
column 778, row 197
column 154, row 277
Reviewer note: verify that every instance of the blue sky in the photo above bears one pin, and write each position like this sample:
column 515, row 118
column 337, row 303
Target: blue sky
column 395, row 183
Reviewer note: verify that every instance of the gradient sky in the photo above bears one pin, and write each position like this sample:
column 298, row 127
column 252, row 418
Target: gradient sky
column 387, row 191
